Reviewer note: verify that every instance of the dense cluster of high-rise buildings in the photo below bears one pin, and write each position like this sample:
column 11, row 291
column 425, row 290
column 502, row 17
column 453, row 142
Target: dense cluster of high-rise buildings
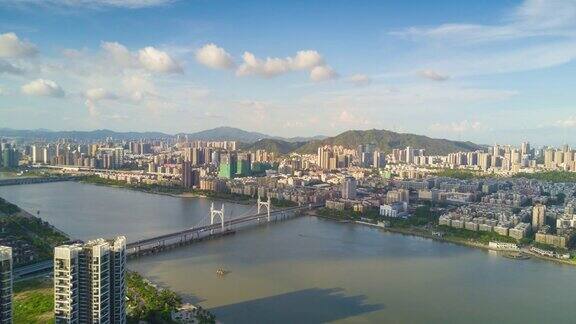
column 89, row 282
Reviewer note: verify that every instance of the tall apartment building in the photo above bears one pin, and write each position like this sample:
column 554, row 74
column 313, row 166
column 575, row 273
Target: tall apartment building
column 5, row 285
column 90, row 282
column 228, row 166
column 190, row 177
column 349, row 188
column 538, row 216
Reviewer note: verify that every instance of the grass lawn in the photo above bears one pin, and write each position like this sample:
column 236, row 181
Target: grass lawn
column 33, row 301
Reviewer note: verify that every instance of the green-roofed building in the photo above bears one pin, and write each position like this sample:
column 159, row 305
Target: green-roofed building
column 228, row 166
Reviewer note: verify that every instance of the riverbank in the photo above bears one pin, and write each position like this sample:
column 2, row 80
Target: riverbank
column 31, row 238
column 428, row 235
column 147, row 301
column 180, row 192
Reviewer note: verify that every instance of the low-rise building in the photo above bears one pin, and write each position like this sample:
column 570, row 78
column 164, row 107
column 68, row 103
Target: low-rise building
column 398, row 209
column 502, row 229
column 519, row 231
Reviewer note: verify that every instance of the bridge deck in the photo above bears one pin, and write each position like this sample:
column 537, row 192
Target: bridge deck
column 215, row 226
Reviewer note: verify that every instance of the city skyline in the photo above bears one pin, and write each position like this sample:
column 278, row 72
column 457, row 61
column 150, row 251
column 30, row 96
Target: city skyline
column 449, row 70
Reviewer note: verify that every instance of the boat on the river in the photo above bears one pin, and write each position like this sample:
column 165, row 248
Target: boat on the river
column 222, row 272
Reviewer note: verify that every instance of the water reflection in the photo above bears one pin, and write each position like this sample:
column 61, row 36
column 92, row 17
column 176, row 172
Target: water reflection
column 313, row 305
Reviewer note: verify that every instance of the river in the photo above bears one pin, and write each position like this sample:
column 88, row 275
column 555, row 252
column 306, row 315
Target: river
column 310, row 270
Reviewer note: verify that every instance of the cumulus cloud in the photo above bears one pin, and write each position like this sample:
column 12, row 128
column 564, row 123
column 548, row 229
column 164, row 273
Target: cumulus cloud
column 432, row 75
column 93, row 96
column 12, row 46
column 139, row 86
column 267, row 68
column 118, row 53
column 149, row 58
column 214, row 57
column 305, row 60
column 322, row 73
column 360, row 79
column 98, row 94
column 42, row 87
column 308, row 60
column 158, row 61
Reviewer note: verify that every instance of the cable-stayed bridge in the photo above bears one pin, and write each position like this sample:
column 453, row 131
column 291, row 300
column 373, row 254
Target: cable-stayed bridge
column 216, row 224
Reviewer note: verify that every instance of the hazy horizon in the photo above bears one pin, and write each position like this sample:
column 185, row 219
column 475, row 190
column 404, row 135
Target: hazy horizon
column 489, row 72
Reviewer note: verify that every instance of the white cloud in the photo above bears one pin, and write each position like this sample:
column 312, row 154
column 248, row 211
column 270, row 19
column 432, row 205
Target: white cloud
column 139, row 86
column 360, row 80
column 214, row 57
column 98, row 94
column 532, row 18
column 149, row 58
column 92, row 109
column 119, row 54
column 308, row 60
column 543, row 33
column 94, row 4
column 267, row 68
column 42, row 87
column 546, row 14
column 433, row 75
column 158, row 61
column 12, row 46
column 322, row 73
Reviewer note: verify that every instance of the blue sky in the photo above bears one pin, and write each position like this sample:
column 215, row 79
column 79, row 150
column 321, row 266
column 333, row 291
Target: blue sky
column 485, row 71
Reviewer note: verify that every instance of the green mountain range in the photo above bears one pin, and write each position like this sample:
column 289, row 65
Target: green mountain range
column 386, row 141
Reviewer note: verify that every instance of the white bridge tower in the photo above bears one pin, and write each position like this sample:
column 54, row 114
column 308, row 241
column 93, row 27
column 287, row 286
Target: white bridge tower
column 217, row 213
column 266, row 204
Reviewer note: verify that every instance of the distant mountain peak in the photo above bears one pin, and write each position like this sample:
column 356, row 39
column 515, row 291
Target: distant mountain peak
column 384, row 139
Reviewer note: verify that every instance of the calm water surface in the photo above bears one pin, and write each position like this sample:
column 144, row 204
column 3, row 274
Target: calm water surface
column 308, row 270
column 89, row 211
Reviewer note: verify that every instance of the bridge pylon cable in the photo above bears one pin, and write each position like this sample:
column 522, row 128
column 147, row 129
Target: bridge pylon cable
column 266, row 204
column 217, row 213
